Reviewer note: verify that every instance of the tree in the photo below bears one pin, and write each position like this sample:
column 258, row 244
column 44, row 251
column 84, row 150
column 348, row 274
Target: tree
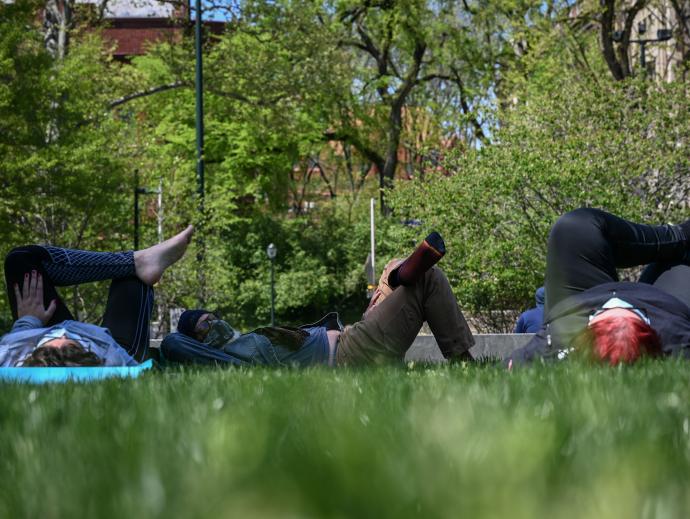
column 284, row 77
column 398, row 48
column 264, row 117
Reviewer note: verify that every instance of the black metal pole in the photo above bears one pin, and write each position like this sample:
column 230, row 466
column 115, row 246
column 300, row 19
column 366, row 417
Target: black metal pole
column 136, row 210
column 200, row 147
column 273, row 294
column 199, row 106
column 643, row 61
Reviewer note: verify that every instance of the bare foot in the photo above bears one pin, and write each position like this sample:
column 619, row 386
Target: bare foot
column 151, row 263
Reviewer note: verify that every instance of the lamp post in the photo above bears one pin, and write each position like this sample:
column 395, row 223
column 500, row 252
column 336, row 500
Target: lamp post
column 199, row 90
column 661, row 35
column 271, row 252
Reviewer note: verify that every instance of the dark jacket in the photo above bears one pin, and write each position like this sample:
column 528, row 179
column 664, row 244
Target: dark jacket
column 532, row 320
column 669, row 317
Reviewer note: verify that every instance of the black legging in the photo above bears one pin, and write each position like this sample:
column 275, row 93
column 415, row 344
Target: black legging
column 587, row 245
column 130, row 301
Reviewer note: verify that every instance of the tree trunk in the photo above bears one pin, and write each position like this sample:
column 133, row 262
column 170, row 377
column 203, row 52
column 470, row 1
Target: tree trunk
column 57, row 22
column 387, row 173
column 607, row 18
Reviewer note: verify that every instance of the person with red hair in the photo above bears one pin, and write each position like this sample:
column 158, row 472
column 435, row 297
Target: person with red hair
column 618, row 338
column 589, row 311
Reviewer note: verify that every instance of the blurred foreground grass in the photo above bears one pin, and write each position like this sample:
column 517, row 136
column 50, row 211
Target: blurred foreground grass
column 556, row 441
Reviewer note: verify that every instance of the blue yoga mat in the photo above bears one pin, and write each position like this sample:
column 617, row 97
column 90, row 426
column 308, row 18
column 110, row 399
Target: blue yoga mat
column 43, row 375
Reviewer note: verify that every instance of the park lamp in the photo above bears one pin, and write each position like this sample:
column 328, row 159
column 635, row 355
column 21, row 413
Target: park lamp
column 664, row 34
column 271, row 252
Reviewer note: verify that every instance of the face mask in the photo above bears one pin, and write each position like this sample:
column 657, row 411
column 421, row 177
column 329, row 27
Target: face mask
column 615, row 302
column 220, row 333
column 57, row 333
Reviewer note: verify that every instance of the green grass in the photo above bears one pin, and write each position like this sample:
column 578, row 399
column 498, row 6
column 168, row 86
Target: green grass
column 557, row 441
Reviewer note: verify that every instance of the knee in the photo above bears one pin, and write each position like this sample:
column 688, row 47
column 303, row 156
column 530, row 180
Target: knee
column 19, row 259
column 436, row 276
column 576, row 220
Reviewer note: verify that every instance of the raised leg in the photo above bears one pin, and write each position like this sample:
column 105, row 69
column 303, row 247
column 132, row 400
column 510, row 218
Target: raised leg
column 130, row 300
column 128, row 315
column 21, row 261
column 391, row 326
column 587, row 245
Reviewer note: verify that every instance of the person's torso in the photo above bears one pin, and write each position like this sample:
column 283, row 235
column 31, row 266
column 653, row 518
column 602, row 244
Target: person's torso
column 668, row 316
column 15, row 346
column 532, row 320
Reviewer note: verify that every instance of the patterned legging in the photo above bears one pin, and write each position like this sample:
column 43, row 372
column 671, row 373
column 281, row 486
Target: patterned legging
column 130, row 301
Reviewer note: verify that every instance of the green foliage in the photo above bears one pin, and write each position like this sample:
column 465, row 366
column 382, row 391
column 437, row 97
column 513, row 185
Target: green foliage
column 319, row 266
column 62, row 159
column 563, row 441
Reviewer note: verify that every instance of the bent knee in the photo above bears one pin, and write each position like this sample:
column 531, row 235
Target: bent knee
column 577, row 220
column 20, row 258
column 435, row 274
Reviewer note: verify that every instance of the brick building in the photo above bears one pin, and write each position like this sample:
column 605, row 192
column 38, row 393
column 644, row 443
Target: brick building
column 133, row 25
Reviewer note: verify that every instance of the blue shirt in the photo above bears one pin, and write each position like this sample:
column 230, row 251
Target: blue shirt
column 27, row 331
column 532, row 320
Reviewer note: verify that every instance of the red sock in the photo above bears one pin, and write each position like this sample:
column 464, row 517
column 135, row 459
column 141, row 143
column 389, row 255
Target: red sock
column 429, row 252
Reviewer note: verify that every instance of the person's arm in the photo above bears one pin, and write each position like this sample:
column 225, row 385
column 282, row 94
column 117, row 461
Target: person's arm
column 180, row 349
column 28, row 322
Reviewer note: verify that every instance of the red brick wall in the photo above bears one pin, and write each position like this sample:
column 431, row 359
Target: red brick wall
column 133, row 42
column 132, row 36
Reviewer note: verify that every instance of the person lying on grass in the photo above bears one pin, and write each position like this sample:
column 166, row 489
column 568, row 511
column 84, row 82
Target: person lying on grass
column 46, row 334
column 588, row 311
column 410, row 292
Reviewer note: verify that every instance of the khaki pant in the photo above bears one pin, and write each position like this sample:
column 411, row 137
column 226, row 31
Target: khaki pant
column 391, row 325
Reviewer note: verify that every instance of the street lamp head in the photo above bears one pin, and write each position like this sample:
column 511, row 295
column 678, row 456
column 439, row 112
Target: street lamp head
column 641, row 28
column 664, row 34
column 617, row 36
column 271, row 251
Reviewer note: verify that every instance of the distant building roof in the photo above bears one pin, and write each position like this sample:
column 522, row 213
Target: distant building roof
column 136, row 8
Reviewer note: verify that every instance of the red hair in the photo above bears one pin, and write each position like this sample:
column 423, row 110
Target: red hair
column 618, row 339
